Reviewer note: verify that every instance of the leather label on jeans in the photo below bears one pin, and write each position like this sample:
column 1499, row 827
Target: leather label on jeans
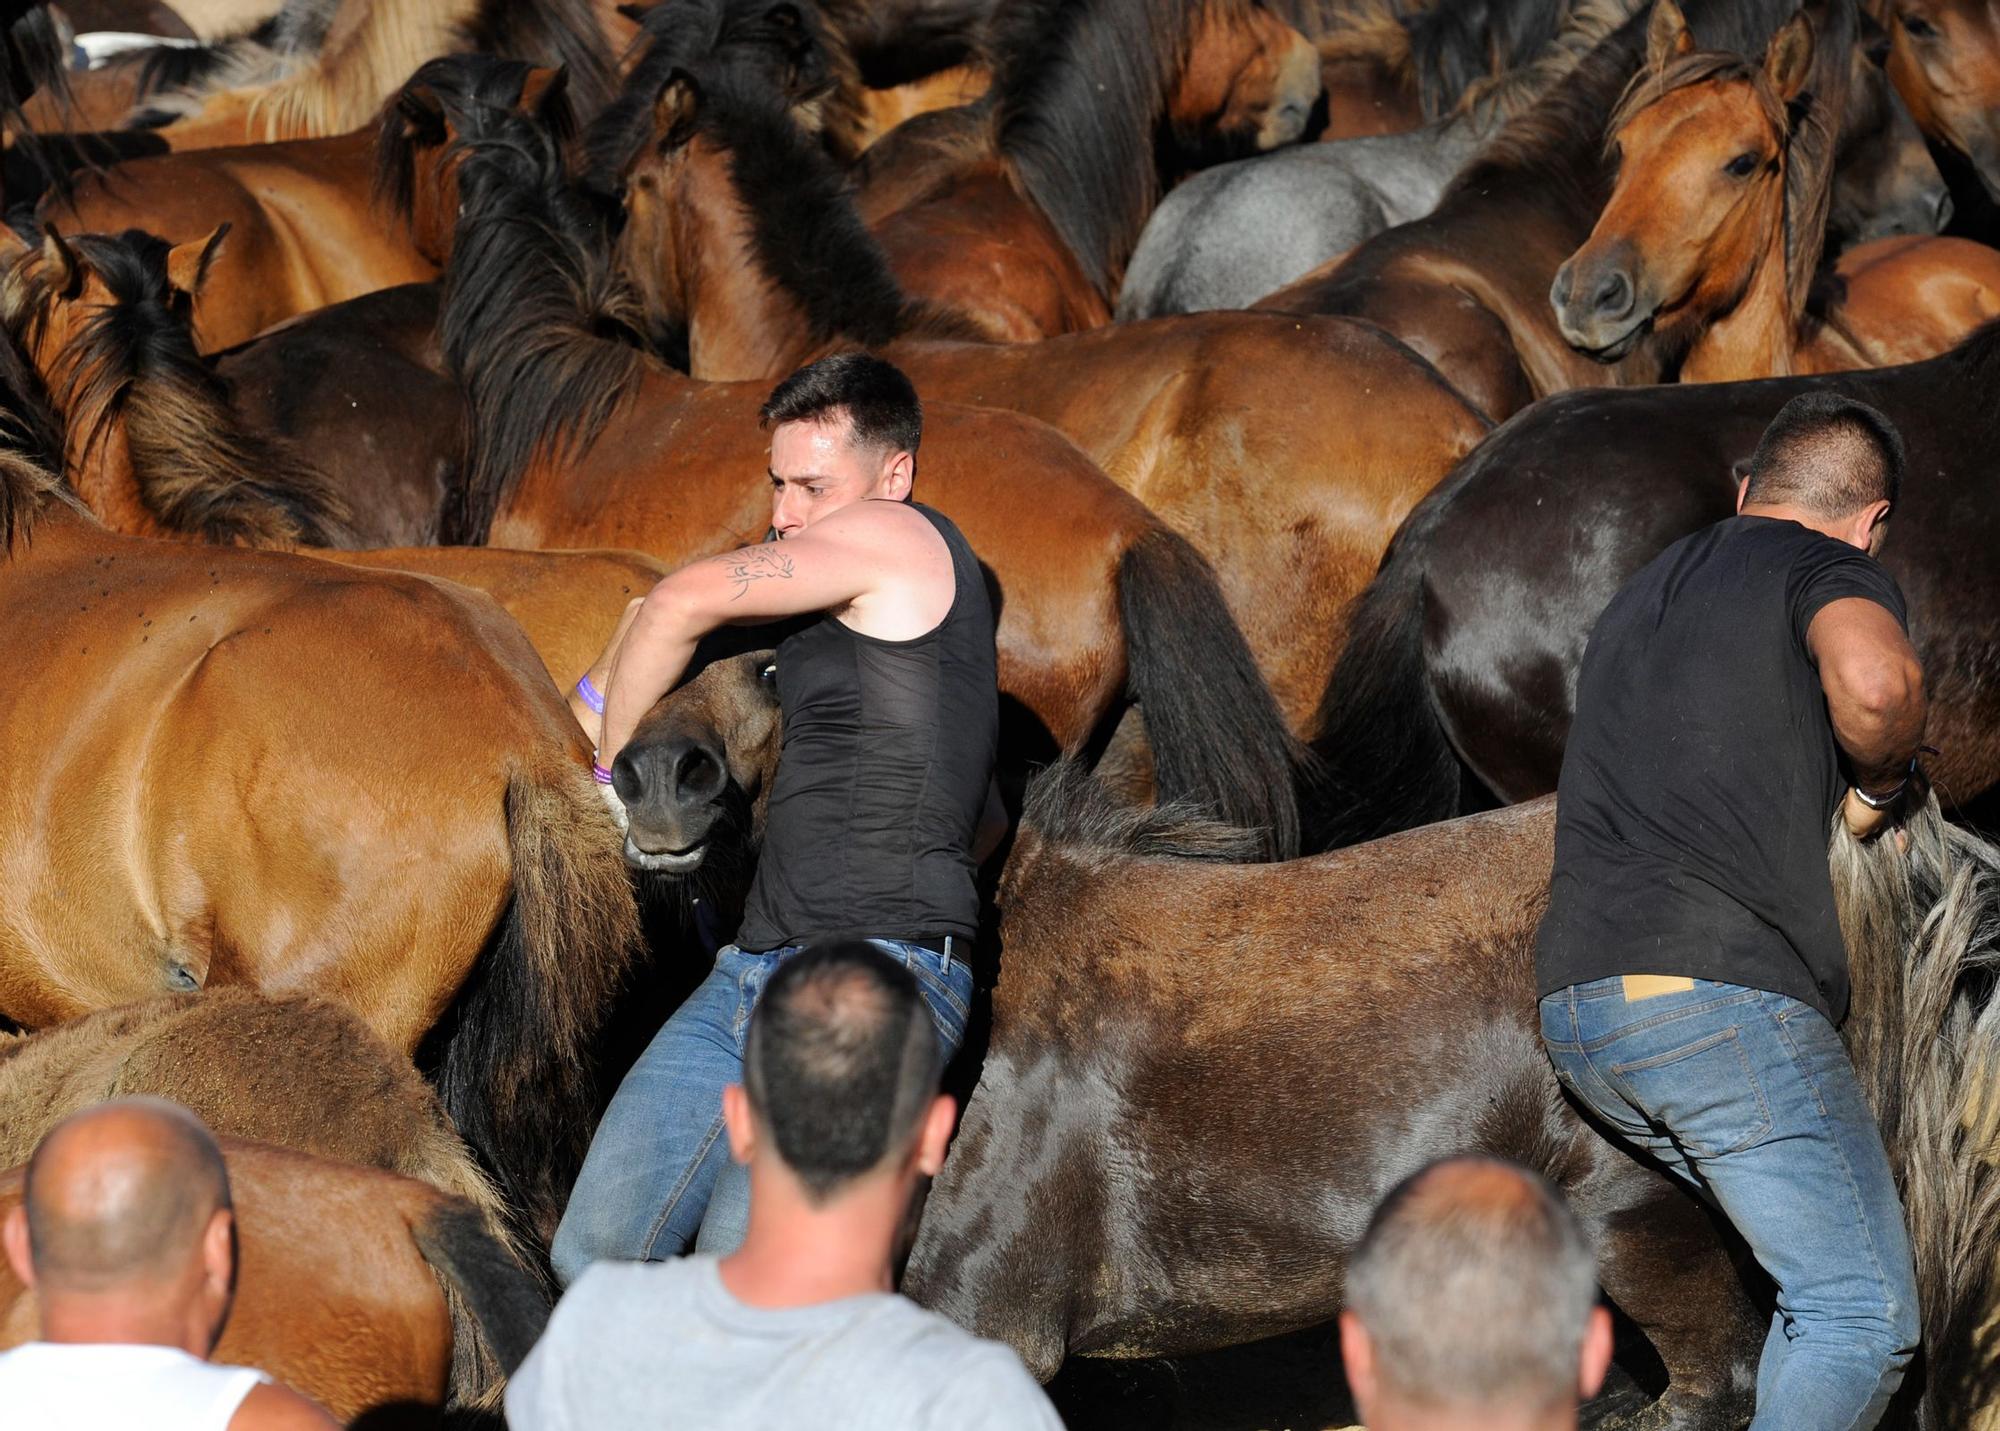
column 1651, row 986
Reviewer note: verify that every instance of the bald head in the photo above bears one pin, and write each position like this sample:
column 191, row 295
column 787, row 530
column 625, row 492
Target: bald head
column 121, row 1195
column 1475, row 1284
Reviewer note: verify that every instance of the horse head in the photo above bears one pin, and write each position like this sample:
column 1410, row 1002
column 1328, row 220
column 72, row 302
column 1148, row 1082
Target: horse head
column 1885, row 181
column 1250, row 83
column 1703, row 139
column 696, row 776
column 1944, row 57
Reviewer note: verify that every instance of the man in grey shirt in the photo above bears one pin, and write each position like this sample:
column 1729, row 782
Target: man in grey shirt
column 838, row 1117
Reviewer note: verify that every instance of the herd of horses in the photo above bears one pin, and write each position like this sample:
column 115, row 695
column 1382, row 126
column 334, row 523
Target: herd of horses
column 1307, row 375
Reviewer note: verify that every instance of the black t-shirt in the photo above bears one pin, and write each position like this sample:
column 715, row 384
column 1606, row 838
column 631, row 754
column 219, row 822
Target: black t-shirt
column 1701, row 777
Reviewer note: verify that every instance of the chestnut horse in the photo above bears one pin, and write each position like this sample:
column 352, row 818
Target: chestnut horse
column 1944, row 56
column 1457, row 682
column 268, row 841
column 309, row 1076
column 315, row 221
column 583, row 440
column 1198, row 417
column 1716, row 222
column 340, row 1285
column 1019, row 212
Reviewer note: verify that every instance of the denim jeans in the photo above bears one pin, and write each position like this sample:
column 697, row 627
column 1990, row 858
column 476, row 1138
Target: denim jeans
column 1749, row 1097
column 658, row 1179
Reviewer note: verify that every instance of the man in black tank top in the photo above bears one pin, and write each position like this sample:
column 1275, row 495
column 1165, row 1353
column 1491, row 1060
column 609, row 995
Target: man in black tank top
column 890, row 717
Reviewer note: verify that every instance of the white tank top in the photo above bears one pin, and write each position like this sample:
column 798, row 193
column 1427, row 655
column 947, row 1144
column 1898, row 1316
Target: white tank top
column 65, row 1387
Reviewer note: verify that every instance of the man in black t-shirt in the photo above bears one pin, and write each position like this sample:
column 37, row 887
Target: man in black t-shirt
column 1691, row 964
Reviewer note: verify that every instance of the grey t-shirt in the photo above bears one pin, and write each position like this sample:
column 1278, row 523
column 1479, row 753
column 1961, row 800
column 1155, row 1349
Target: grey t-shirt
column 639, row 1346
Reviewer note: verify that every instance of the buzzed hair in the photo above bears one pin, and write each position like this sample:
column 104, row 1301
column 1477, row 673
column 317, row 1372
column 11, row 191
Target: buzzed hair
column 1475, row 1283
column 1829, row 454
column 875, row 397
column 132, row 1210
column 840, row 1063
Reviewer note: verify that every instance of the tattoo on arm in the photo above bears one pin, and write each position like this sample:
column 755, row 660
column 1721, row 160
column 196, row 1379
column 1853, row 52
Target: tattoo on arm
column 755, row 564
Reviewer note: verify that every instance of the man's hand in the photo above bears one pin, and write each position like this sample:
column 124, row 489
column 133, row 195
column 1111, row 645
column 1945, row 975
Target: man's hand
column 1863, row 820
column 616, row 807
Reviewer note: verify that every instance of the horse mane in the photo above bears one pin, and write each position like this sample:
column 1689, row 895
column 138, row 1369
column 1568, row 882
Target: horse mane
column 1810, row 126
column 536, row 325
column 1923, row 938
column 29, row 491
column 1079, row 89
column 1587, row 23
column 1068, row 808
column 30, row 454
column 173, row 79
column 200, row 469
column 33, row 63
column 1455, row 44
column 470, row 89
column 561, row 34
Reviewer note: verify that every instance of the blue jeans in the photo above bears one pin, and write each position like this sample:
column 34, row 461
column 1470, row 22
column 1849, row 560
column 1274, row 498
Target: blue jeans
column 659, row 1179
column 1748, row 1097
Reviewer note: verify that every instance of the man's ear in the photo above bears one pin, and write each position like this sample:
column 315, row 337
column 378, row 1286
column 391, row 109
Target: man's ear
column 935, row 1136
column 1357, row 1363
column 14, row 1233
column 902, row 476
column 736, row 1117
column 1596, row 1354
column 1742, row 490
column 218, row 1251
column 1872, row 517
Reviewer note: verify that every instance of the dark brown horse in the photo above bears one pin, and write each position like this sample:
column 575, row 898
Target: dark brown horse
column 1196, row 416
column 1460, row 670
column 309, row 1076
column 583, row 440
column 1018, row 213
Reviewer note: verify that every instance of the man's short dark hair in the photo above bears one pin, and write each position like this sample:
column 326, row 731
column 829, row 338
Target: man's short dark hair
column 1475, row 1283
column 1829, row 454
column 873, row 395
column 840, row 1063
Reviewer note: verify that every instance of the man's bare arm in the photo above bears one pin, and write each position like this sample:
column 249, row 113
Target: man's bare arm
column 1874, row 694
column 274, row 1408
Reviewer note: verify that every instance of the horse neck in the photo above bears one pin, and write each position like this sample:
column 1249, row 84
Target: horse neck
column 741, row 326
column 1758, row 336
column 98, row 455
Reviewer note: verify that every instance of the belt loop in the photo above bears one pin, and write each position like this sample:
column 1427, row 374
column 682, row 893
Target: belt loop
column 947, row 954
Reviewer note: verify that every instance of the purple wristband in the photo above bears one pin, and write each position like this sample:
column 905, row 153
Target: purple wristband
column 592, row 697
column 599, row 773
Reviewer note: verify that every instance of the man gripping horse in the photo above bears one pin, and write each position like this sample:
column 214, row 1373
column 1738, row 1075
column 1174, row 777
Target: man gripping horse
column 890, row 714
column 1691, row 963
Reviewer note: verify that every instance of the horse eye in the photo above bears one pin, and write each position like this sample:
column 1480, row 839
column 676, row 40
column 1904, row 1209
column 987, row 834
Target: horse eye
column 1740, row 166
column 1917, row 27
column 769, row 675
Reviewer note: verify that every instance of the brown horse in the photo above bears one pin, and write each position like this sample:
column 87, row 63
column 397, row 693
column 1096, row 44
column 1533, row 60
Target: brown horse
column 1195, row 416
column 583, row 440
column 267, row 841
column 1019, row 213
column 340, row 1287
column 300, row 1074
column 1715, row 225
column 1095, row 1204
column 315, row 221
column 1944, row 56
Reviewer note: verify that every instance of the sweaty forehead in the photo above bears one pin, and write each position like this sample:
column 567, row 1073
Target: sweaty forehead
column 1725, row 114
column 819, row 446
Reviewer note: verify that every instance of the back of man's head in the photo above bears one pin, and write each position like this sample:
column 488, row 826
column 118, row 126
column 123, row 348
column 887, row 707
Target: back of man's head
column 840, row 1065
column 1829, row 455
column 1476, row 1289
column 121, row 1196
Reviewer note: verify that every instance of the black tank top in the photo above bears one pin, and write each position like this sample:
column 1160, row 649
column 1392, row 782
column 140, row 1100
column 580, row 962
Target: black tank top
column 888, row 751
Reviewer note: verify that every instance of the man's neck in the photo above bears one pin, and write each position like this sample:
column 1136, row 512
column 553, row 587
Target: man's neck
column 91, row 1320
column 1393, row 1415
column 1786, row 512
column 798, row 1255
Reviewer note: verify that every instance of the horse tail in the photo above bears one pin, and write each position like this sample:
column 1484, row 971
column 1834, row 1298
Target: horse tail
column 1384, row 761
column 1922, row 925
column 497, row 1309
column 514, row 1055
column 1219, row 740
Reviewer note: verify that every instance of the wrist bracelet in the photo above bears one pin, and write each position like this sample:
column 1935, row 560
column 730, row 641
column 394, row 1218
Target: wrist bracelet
column 598, row 772
column 592, row 697
column 1882, row 802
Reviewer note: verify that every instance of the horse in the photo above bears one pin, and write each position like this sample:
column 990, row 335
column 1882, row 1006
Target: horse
column 267, row 841
column 1234, row 233
column 1045, row 185
column 1714, row 228
column 1292, row 503
column 1467, row 285
column 316, row 221
column 1457, row 682
column 1093, row 1203
column 1944, row 56
column 332, row 70
column 341, row 1286
column 582, row 439
column 301, row 1074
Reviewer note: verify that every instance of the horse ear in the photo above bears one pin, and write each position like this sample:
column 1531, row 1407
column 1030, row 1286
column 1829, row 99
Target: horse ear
column 674, row 111
column 1667, row 34
column 188, row 263
column 65, row 268
column 422, row 113
column 1788, row 59
column 542, row 91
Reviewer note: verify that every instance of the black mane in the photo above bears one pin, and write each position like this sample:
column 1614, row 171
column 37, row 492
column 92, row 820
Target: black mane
column 563, row 33
column 465, row 93
column 1456, row 43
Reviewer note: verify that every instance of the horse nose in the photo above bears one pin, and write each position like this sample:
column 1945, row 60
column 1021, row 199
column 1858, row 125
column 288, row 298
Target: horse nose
column 1612, row 298
column 672, row 775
